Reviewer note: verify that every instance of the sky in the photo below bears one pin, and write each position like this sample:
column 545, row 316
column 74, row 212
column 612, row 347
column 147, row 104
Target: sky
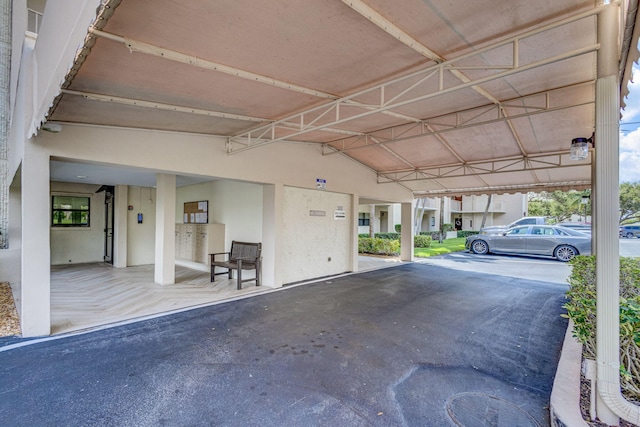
column 630, row 132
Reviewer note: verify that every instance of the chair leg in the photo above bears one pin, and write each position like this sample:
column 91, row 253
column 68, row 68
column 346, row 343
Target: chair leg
column 213, row 273
column 239, row 274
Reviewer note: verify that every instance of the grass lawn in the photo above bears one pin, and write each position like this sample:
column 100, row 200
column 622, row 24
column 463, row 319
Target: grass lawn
column 447, row 246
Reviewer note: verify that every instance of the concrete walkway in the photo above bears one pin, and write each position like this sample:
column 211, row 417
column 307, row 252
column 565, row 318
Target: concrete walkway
column 415, row 344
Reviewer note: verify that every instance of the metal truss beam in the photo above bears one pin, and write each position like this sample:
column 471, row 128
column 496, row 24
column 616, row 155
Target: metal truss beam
column 331, row 114
column 190, row 110
column 496, row 166
column 534, row 104
column 502, row 189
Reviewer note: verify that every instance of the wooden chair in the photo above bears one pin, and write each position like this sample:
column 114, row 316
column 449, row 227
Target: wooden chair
column 242, row 256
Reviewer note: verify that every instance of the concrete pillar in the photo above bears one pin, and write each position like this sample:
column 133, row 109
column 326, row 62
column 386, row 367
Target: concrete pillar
column 35, row 252
column 355, row 203
column 120, row 226
column 406, row 228
column 272, row 228
column 372, row 221
column 607, row 205
column 165, row 256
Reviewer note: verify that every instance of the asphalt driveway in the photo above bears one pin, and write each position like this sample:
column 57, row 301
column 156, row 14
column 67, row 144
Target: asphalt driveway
column 416, row 344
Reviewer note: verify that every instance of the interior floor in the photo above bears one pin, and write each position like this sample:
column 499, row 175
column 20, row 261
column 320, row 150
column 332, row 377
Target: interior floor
column 85, row 296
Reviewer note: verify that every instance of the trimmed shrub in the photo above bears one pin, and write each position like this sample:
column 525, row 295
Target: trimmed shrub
column 421, row 241
column 466, row 233
column 447, row 227
column 378, row 246
column 360, row 236
column 389, row 236
column 581, row 308
column 435, row 235
column 397, row 227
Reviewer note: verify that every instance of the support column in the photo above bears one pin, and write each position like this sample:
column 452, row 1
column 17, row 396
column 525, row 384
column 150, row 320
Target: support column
column 120, row 226
column 610, row 403
column 406, row 229
column 5, row 114
column 355, row 203
column 35, row 252
column 272, row 228
column 165, row 259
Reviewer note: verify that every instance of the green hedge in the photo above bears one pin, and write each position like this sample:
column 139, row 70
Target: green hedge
column 389, row 236
column 581, row 308
column 466, row 233
column 421, row 241
column 377, row 246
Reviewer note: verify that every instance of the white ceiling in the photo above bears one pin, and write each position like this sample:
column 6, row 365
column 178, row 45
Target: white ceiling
column 84, row 173
column 444, row 97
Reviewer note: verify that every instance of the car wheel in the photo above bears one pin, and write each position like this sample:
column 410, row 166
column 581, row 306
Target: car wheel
column 479, row 247
column 564, row 253
column 630, row 235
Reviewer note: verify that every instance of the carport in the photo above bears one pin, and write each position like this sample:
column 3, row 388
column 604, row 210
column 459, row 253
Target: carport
column 427, row 98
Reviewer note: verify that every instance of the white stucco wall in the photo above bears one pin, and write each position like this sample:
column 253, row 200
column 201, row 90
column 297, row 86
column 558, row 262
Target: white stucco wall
column 237, row 205
column 315, row 246
column 141, row 237
column 75, row 245
column 189, row 154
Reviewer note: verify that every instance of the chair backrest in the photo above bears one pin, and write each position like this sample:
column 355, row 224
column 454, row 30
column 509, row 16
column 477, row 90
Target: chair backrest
column 245, row 250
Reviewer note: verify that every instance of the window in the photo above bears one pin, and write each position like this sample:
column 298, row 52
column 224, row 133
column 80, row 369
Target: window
column 363, row 219
column 518, row 231
column 70, row 211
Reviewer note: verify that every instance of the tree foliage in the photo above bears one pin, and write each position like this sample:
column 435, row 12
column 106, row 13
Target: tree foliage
column 629, row 202
column 558, row 206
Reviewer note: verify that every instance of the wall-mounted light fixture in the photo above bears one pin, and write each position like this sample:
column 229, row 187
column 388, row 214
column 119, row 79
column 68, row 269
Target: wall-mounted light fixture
column 580, row 148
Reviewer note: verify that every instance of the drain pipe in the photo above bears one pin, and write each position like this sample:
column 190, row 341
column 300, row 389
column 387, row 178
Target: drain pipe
column 611, row 403
column 5, row 113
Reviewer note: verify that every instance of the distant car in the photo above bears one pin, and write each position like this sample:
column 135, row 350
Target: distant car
column 527, row 220
column 545, row 240
column 630, row 231
column 578, row 226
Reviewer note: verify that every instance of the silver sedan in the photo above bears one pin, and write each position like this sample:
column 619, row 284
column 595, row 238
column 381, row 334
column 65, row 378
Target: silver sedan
column 544, row 240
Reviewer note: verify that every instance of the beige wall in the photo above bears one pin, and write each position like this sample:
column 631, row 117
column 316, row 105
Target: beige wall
column 141, row 237
column 315, row 245
column 237, row 205
column 74, row 245
column 188, row 154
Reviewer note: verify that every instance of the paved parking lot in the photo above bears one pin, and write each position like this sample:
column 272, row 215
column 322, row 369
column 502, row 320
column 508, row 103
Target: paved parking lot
column 414, row 345
column 630, row 247
column 459, row 339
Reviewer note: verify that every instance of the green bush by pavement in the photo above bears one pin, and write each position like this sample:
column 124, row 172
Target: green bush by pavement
column 377, row 246
column 389, row 236
column 421, row 241
column 466, row 233
column 581, row 308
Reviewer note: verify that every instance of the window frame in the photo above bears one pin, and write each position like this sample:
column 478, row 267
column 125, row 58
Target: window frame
column 364, row 219
column 53, row 211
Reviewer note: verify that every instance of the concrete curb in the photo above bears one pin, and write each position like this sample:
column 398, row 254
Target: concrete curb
column 565, row 396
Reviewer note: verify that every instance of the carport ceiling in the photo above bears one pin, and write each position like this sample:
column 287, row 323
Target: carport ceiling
column 443, row 97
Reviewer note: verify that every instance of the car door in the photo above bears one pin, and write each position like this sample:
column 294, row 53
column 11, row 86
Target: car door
column 512, row 241
column 541, row 240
